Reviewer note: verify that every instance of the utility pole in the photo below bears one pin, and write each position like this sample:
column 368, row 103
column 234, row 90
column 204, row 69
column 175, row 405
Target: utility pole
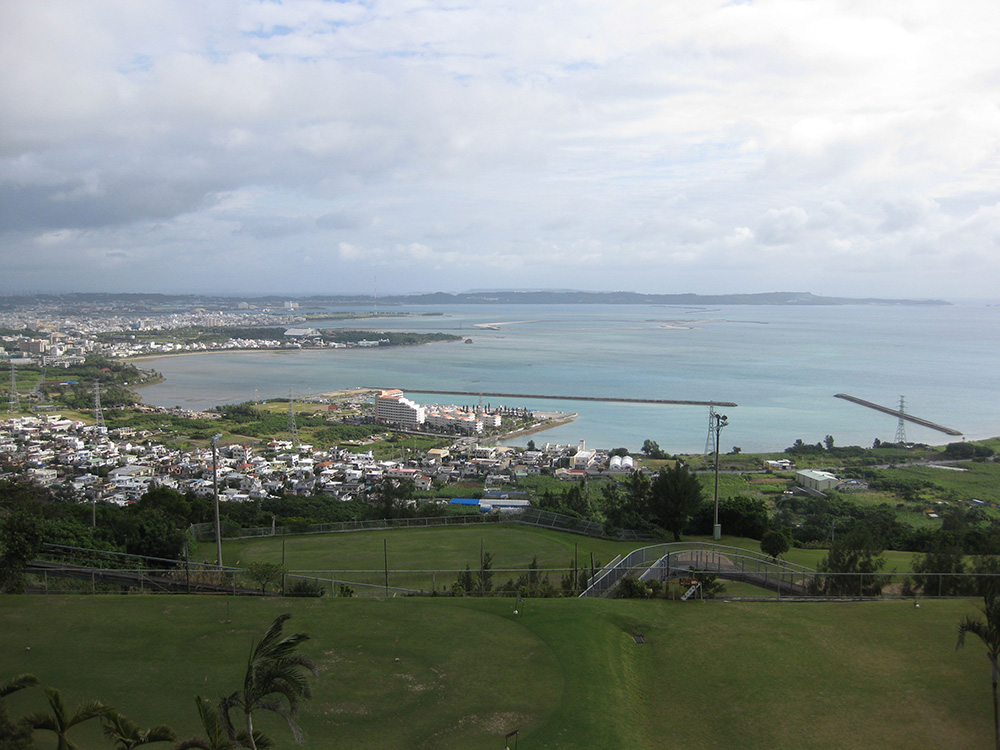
column 720, row 422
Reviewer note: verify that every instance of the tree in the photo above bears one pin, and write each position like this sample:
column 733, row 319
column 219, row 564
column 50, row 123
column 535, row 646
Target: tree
column 216, row 737
column 775, row 543
column 651, row 449
column 854, row 562
column 484, row 578
column 126, row 734
column 60, row 721
column 828, row 442
column 624, row 505
column 531, row 445
column 20, row 542
column 940, row 572
column 988, row 631
column 674, row 496
column 264, row 573
column 275, row 681
column 14, row 736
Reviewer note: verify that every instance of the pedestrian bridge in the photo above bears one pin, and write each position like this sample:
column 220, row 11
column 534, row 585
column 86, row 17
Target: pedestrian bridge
column 661, row 562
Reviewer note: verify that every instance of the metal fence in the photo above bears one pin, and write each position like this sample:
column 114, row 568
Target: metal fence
column 206, row 531
column 528, row 516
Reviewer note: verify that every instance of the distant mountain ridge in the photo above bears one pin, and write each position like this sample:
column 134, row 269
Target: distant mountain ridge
column 502, row 297
column 636, row 298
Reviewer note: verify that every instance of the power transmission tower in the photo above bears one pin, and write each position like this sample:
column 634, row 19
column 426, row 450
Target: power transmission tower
column 14, row 402
column 98, row 414
column 710, row 440
column 291, row 419
column 901, row 425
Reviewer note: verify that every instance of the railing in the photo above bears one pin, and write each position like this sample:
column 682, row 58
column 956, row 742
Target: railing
column 67, row 570
column 644, row 558
column 206, row 531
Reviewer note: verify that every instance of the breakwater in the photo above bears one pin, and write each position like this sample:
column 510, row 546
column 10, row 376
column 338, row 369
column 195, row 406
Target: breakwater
column 897, row 413
column 612, row 399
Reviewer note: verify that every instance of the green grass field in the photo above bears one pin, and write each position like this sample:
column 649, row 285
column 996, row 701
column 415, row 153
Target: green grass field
column 566, row 673
column 413, row 553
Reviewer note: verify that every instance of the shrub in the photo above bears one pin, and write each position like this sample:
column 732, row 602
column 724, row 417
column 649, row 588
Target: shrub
column 305, row 587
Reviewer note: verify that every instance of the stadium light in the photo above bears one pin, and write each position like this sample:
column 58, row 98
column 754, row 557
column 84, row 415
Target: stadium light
column 720, row 422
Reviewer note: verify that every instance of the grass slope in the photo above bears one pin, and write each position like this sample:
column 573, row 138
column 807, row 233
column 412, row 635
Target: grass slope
column 566, row 673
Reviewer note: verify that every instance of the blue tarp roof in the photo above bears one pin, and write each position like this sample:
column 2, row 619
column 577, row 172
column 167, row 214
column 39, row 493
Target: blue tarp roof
column 463, row 501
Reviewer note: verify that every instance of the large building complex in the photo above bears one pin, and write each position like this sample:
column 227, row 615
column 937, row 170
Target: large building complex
column 392, row 407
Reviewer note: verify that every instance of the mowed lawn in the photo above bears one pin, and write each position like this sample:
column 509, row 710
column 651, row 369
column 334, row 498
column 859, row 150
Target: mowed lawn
column 411, row 554
column 460, row 673
column 436, row 549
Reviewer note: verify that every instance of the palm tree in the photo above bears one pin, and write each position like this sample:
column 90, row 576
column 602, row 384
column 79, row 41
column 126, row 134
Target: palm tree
column 14, row 734
column 61, row 721
column 216, row 735
column 127, row 735
column 988, row 631
column 275, row 681
column 20, row 682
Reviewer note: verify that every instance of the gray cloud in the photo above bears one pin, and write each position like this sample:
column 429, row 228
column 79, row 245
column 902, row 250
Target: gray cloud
column 644, row 146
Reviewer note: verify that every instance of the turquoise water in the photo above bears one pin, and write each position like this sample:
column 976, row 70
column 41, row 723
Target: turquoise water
column 781, row 365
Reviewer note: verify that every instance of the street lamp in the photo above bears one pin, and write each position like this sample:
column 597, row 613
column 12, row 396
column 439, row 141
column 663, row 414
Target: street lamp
column 215, row 494
column 720, row 422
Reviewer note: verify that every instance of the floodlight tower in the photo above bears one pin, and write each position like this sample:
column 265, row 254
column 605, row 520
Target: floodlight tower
column 720, row 422
column 901, row 425
column 709, row 439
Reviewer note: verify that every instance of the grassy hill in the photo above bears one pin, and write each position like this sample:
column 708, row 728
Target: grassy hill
column 566, row 673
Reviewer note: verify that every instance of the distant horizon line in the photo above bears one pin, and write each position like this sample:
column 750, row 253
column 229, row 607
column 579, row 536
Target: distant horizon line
column 507, row 296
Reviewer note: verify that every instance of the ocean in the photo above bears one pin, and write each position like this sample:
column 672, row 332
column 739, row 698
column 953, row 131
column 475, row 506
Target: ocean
column 781, row 365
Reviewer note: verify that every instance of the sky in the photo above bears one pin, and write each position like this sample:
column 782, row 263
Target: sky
column 839, row 147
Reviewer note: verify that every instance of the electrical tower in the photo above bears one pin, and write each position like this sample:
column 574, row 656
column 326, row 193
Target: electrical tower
column 14, row 402
column 710, row 440
column 901, row 425
column 98, row 414
column 291, row 419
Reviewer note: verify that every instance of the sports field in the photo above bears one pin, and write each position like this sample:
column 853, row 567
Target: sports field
column 461, row 673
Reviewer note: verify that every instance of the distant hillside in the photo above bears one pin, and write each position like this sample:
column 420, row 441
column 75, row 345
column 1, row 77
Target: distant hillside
column 634, row 298
column 165, row 303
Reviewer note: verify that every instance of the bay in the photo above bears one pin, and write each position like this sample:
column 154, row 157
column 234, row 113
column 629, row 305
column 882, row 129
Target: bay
column 781, row 365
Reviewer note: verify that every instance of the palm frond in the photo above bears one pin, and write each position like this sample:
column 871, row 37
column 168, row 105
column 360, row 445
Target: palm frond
column 20, row 682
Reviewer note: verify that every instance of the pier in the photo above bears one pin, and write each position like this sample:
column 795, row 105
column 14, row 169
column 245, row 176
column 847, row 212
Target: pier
column 665, row 401
column 897, row 413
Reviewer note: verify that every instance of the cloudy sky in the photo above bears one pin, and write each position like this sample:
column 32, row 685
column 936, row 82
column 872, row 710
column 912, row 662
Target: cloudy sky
column 842, row 147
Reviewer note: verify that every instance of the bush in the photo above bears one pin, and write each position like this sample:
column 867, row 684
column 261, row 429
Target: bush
column 305, row 587
column 631, row 587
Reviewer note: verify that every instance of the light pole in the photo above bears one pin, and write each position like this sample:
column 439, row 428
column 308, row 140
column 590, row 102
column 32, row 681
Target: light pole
column 720, row 422
column 215, row 494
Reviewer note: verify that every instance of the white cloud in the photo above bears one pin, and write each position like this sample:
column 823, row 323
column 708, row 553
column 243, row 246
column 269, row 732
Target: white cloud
column 433, row 141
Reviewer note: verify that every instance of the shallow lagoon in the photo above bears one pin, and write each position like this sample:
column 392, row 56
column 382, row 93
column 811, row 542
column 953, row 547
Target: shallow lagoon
column 781, row 365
